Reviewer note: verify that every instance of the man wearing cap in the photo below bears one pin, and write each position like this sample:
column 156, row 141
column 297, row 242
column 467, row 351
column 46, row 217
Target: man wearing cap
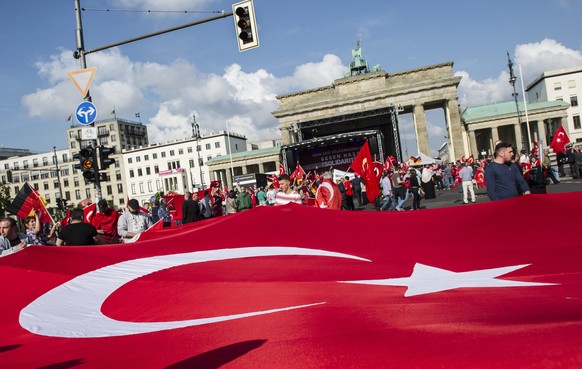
column 132, row 222
column 105, row 221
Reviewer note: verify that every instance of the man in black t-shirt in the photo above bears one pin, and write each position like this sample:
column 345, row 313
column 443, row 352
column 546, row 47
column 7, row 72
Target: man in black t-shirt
column 78, row 233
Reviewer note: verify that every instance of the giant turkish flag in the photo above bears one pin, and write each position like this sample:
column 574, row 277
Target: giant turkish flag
column 219, row 293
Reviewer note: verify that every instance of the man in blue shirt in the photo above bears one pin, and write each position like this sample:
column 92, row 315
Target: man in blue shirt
column 502, row 176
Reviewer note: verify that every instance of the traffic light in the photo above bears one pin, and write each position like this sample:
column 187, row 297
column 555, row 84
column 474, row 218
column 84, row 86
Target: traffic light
column 104, row 160
column 87, row 158
column 245, row 25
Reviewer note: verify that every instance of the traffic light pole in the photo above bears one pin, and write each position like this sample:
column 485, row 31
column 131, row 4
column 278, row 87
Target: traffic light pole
column 80, row 53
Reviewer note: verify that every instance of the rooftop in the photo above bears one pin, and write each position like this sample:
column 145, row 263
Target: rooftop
column 507, row 108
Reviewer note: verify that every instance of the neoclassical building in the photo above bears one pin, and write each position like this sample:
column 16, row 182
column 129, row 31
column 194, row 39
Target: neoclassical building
column 371, row 101
column 488, row 123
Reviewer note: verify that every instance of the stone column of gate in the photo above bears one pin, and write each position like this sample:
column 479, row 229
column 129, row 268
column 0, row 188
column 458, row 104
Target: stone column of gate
column 286, row 136
column 542, row 132
column 473, row 144
column 420, row 128
column 518, row 138
column 453, row 114
column 494, row 137
column 261, row 168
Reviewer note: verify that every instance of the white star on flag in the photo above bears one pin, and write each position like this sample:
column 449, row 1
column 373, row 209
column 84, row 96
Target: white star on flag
column 426, row 279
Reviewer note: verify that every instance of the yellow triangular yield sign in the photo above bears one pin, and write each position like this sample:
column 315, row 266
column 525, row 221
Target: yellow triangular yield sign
column 82, row 79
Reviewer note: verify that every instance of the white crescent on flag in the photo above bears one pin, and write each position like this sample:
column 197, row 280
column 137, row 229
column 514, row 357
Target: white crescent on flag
column 73, row 309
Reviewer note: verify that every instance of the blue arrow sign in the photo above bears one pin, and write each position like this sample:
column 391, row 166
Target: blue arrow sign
column 86, row 112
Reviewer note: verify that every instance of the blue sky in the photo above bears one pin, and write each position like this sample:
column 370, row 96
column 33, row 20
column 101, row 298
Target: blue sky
column 304, row 44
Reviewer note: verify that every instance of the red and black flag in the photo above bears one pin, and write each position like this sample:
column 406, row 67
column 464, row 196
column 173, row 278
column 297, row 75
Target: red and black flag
column 28, row 202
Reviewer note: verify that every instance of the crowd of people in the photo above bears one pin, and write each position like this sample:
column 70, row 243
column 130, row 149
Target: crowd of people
column 505, row 175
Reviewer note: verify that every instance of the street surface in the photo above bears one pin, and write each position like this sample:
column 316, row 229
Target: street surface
column 446, row 198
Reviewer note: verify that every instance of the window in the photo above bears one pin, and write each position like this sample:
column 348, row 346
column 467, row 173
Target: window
column 78, row 194
column 163, row 154
column 189, row 149
column 574, row 100
column 155, row 155
column 148, row 170
column 45, row 186
column 118, row 175
column 207, row 146
column 56, row 184
column 66, row 182
column 16, row 166
column 150, row 189
column 139, row 172
column 109, row 189
column 6, row 166
column 557, row 86
column 133, row 189
column 172, row 153
column 200, row 161
column 236, row 146
column 129, row 160
column 156, row 169
column 146, row 157
column 44, row 161
column 141, row 189
column 25, row 177
column 25, row 164
column 34, row 163
column 138, row 159
column 191, row 163
column 217, row 145
column 131, row 173
column 180, row 151
column 113, row 138
column 64, row 171
column 76, row 181
column 577, row 122
column 198, row 148
column 119, row 188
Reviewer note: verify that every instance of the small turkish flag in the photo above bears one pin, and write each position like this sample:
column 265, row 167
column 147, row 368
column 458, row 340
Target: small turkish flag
column 560, row 140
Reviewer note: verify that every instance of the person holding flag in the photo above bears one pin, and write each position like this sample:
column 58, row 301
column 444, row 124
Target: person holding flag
column 328, row 195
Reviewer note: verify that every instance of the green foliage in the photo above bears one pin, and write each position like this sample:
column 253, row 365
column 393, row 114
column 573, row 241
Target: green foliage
column 5, row 199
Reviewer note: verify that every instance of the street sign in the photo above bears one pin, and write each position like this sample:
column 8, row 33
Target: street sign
column 89, row 133
column 86, row 112
column 82, row 79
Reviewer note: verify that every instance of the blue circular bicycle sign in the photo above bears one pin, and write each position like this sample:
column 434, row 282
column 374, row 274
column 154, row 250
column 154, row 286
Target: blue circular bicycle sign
column 86, row 112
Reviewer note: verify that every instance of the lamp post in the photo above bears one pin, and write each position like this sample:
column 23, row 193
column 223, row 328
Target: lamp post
column 512, row 79
column 196, row 135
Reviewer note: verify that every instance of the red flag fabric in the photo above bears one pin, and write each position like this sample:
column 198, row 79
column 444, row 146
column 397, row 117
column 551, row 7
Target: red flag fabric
column 364, row 167
column 200, row 297
column 298, row 172
column 480, row 178
column 281, row 169
column 89, row 212
column 560, row 140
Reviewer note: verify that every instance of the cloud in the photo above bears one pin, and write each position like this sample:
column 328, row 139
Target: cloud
column 535, row 58
column 168, row 95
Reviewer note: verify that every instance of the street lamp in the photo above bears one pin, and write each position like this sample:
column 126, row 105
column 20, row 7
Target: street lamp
column 512, row 79
column 198, row 137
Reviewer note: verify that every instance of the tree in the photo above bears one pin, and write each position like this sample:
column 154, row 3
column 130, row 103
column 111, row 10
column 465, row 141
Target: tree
column 5, row 199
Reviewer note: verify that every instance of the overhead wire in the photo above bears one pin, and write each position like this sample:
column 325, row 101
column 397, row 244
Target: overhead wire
column 153, row 11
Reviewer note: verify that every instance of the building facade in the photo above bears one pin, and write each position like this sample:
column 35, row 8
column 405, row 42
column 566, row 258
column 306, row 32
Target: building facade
column 487, row 124
column 176, row 166
column 561, row 85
